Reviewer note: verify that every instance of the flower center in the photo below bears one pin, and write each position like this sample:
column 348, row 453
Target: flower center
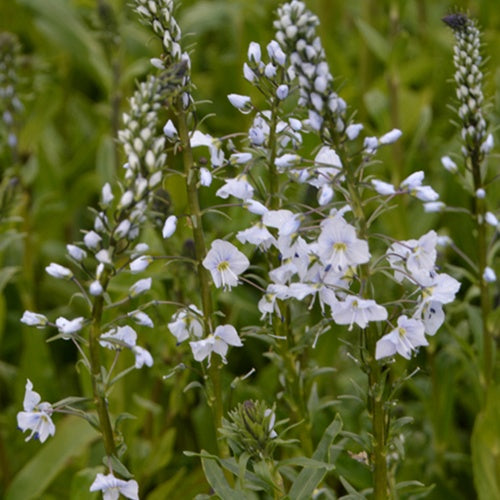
column 223, row 266
column 340, row 247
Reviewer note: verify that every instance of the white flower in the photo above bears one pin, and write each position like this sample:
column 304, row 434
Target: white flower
column 257, row 235
column 287, row 160
column 404, row 339
column 489, row 275
column 248, row 73
column 241, row 102
column 186, row 323
column 36, row 416
column 240, row 158
column 422, row 257
column 370, row 145
column 140, row 286
column 126, row 199
column 434, row 206
column 353, row 130
column 383, row 188
column 226, row 263
column 239, row 187
column 218, row 342
column 267, row 304
column 325, row 195
column 95, row 288
column 141, row 263
column 391, row 136
column 169, row 227
column 432, row 316
column 286, row 221
column 413, row 185
column 122, row 229
column 357, row 310
column 68, row 327
column 103, row 256
column 169, row 129
column 58, row 271
column 106, row 195
column 141, row 318
column 327, row 156
column 142, row 357
column 113, row 487
column 276, row 53
column 92, row 240
column 270, row 70
column 491, row 219
column 118, row 338
column 480, row 193
column 254, row 52
column 339, row 246
column 205, row 177
column 34, row 319
column 216, row 154
column 76, row 252
column 488, row 144
column 449, row 164
column 282, row 92
column 255, row 207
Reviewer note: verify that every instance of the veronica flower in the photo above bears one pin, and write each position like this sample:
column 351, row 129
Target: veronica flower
column 383, row 188
column 68, row 327
column 413, row 185
column 357, row 310
column 239, row 187
column 58, row 271
column 404, row 339
column 113, row 487
column 267, row 304
column 339, row 246
column 391, row 136
column 186, row 323
column 141, row 263
column 216, row 154
column 76, row 252
column 169, row 227
column 140, row 286
column 257, row 235
column 36, row 415
column 225, row 262
column 34, row 319
column 240, row 102
column 218, row 342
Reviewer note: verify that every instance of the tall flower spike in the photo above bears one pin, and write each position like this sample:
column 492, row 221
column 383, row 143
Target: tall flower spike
column 160, row 15
column 296, row 33
column 468, row 78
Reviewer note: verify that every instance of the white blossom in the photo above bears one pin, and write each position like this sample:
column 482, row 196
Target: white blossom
column 76, row 252
column 355, row 310
column 169, row 227
column 36, row 416
column 34, row 319
column 58, row 271
column 113, row 487
column 225, row 262
column 218, row 342
column 404, row 339
column 141, row 263
column 391, row 136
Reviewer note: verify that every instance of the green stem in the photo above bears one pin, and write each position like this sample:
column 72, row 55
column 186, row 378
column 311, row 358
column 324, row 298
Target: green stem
column 482, row 251
column 215, row 399
column 98, row 388
column 376, row 401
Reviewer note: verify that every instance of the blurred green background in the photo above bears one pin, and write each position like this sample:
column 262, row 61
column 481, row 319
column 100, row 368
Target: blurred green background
column 392, row 61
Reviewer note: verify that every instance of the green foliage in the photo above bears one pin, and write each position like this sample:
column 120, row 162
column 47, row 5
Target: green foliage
column 392, row 61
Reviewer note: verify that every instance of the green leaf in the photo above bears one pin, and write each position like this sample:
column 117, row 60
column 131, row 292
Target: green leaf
column 485, row 444
column 72, row 437
column 216, row 479
column 310, row 477
column 374, row 40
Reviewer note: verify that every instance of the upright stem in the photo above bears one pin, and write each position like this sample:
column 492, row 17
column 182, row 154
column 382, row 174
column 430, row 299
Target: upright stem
column 215, row 399
column 482, row 249
column 98, row 388
column 376, row 403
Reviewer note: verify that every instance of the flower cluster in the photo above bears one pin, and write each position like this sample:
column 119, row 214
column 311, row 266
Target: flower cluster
column 468, row 79
column 296, row 33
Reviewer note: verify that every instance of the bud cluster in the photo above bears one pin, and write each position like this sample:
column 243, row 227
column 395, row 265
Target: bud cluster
column 250, row 429
column 468, row 78
column 159, row 14
column 296, row 33
column 10, row 105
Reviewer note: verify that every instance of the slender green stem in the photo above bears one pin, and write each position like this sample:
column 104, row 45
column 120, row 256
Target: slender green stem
column 215, row 398
column 482, row 251
column 98, row 388
column 376, row 401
